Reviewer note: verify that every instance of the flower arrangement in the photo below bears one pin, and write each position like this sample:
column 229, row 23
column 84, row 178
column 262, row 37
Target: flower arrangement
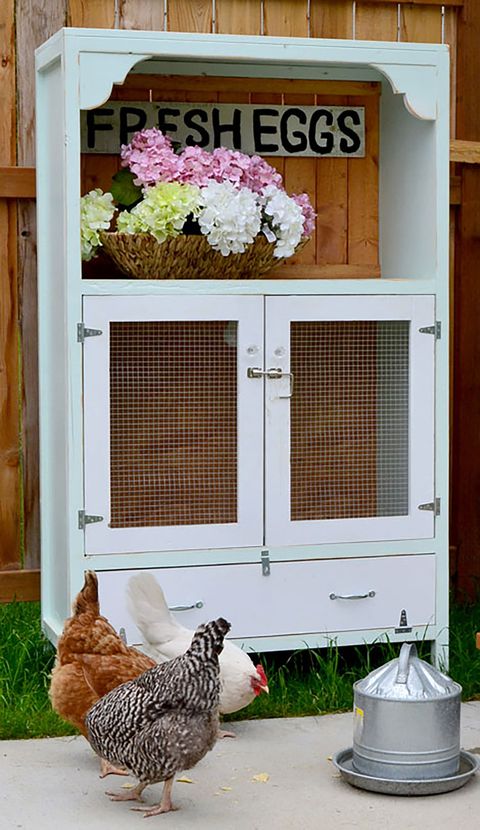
column 227, row 196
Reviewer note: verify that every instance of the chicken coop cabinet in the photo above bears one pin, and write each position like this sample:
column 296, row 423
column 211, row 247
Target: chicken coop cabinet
column 274, row 450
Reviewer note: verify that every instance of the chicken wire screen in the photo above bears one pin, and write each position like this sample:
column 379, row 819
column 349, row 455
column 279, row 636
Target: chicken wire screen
column 173, row 423
column 349, row 419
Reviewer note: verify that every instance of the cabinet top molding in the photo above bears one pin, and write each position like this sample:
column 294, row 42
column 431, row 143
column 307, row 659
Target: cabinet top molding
column 102, row 57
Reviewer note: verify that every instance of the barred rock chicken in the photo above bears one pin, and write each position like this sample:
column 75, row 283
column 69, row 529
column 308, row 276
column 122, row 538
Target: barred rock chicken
column 91, row 660
column 164, row 721
column 240, row 680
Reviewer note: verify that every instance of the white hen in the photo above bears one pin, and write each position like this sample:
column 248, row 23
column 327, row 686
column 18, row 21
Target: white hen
column 241, row 681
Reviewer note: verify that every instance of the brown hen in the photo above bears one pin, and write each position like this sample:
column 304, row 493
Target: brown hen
column 92, row 659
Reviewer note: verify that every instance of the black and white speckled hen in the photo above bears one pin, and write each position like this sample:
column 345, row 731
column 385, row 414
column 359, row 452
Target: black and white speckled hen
column 164, row 721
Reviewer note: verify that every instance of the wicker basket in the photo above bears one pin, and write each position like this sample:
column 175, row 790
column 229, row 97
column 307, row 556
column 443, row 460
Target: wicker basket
column 186, row 257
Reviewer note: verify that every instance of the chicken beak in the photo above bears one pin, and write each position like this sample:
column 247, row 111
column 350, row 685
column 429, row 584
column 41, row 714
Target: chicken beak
column 265, row 689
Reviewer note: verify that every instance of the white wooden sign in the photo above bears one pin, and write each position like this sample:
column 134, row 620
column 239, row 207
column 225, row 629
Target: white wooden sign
column 264, row 129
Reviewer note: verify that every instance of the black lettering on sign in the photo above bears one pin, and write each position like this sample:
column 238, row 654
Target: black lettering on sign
column 164, row 125
column 234, row 128
column 259, row 129
column 353, row 145
column 131, row 119
column 190, row 115
column 265, row 129
column 94, row 126
column 301, row 144
column 325, row 136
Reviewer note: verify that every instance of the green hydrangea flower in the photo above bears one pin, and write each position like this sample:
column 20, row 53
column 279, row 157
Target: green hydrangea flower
column 163, row 210
column 96, row 211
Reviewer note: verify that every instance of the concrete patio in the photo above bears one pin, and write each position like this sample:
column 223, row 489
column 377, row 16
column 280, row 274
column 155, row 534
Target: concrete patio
column 277, row 774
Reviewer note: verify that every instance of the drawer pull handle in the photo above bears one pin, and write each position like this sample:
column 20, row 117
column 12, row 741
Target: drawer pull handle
column 353, row 596
column 198, row 604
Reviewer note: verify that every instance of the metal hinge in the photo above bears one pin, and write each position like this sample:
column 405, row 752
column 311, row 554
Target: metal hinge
column 436, row 329
column 83, row 332
column 265, row 563
column 86, row 519
column 434, row 506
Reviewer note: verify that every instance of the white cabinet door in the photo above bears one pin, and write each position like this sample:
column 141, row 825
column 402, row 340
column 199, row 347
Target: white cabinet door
column 350, row 423
column 173, row 427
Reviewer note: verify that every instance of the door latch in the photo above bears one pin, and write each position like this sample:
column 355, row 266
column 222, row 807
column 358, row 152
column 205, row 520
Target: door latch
column 274, row 373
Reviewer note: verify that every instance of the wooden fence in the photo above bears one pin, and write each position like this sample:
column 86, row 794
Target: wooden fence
column 24, row 24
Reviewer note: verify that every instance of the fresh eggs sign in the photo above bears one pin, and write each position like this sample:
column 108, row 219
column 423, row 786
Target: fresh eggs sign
column 264, row 129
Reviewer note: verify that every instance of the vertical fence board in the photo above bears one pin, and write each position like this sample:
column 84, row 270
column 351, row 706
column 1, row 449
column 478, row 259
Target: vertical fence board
column 10, row 553
column 421, row 25
column 9, row 380
column 286, row 18
column 331, row 18
column 332, row 202
column 363, row 218
column 185, row 16
column 94, row 14
column 300, row 177
column 147, row 15
column 332, row 211
column 36, row 21
column 450, row 37
column 238, row 17
column 374, row 21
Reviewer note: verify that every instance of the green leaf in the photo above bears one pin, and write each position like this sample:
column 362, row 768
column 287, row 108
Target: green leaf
column 123, row 190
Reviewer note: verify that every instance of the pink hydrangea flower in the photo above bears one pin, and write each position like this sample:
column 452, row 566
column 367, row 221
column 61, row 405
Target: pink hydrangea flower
column 244, row 171
column 229, row 165
column 308, row 212
column 151, row 158
column 260, row 174
column 195, row 166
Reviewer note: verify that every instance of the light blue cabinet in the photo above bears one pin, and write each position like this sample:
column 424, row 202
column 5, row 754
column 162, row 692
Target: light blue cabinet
column 274, row 450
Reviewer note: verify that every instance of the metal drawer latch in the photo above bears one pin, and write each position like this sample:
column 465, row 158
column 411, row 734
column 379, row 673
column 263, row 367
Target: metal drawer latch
column 265, row 563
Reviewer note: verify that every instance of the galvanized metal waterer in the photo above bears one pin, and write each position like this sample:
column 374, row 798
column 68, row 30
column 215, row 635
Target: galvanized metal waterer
column 407, row 721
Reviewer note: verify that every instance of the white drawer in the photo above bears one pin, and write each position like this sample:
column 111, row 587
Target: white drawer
column 293, row 599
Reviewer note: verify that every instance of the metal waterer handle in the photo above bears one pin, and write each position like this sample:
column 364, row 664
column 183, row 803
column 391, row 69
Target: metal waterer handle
column 407, row 650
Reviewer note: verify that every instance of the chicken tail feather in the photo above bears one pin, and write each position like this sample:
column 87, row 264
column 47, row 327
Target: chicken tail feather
column 148, row 608
column 208, row 638
column 87, row 598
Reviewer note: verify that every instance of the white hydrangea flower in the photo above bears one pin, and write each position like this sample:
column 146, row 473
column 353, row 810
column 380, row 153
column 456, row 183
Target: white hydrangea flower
column 285, row 218
column 230, row 217
column 96, row 211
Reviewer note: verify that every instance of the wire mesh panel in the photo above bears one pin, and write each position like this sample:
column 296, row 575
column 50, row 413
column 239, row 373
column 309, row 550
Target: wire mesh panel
column 349, row 419
column 173, row 423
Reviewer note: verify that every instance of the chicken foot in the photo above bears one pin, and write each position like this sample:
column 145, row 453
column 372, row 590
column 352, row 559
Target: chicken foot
column 222, row 733
column 128, row 795
column 106, row 768
column 165, row 805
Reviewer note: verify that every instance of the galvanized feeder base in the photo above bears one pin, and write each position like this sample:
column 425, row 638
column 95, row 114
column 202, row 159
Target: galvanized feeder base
column 468, row 767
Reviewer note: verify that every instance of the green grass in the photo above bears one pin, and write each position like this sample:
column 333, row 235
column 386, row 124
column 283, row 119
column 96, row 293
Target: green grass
column 26, row 660
column 302, row 683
